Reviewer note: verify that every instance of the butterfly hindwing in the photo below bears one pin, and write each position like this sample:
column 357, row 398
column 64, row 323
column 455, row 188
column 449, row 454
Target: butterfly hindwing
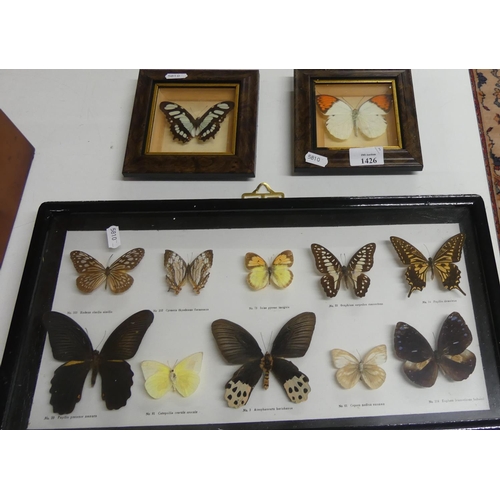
column 261, row 274
column 185, row 127
column 353, row 273
column 443, row 263
column 93, row 273
column 422, row 364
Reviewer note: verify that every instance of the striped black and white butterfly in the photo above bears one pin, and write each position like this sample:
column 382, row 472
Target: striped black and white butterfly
column 352, row 274
column 72, row 345
column 185, row 127
column 238, row 346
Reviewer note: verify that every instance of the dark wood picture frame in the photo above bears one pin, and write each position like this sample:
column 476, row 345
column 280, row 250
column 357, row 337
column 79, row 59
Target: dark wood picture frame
column 406, row 158
column 238, row 163
column 26, row 343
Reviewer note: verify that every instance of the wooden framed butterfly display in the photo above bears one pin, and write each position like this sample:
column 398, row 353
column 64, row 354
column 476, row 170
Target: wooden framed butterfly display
column 178, row 271
column 352, row 274
column 237, row 346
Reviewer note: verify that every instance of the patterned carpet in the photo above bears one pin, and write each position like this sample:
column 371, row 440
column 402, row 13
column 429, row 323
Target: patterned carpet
column 486, row 91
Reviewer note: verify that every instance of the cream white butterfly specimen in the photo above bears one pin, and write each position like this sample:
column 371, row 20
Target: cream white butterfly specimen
column 343, row 119
column 197, row 273
column 94, row 274
column 352, row 274
column 183, row 378
column 261, row 274
column 351, row 370
column 185, row 127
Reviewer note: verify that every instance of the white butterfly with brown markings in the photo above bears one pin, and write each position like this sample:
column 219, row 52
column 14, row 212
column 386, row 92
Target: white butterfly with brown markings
column 197, row 273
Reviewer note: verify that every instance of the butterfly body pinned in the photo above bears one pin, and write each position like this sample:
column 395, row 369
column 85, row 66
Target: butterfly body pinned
column 422, row 363
column 238, row 346
column 353, row 274
column 351, row 370
column 443, row 263
column 178, row 271
column 183, row 378
column 71, row 344
column 185, row 127
column 93, row 274
column 261, row 274
column 343, row 119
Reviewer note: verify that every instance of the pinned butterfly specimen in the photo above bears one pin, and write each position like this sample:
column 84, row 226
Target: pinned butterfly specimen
column 343, row 119
column 334, row 272
column 197, row 273
column 351, row 370
column 185, row 127
column 238, row 346
column 261, row 274
column 183, row 378
column 421, row 363
column 443, row 263
column 72, row 345
column 94, row 274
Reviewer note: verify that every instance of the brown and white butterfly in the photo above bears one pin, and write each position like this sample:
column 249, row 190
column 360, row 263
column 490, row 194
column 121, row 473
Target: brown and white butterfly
column 238, row 346
column 334, row 272
column 93, row 274
column 197, row 273
column 442, row 263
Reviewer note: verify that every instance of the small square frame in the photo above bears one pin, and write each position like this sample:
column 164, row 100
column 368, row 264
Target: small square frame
column 400, row 142
column 155, row 152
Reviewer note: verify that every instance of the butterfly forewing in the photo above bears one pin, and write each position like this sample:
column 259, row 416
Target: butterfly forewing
column 235, row 343
column 294, row 338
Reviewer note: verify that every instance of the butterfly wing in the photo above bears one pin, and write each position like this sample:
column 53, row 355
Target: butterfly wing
column 93, row 273
column 238, row 346
column 454, row 358
column 450, row 252
column 157, row 378
column 330, row 266
column 187, row 374
column 348, row 373
column 281, row 275
column 340, row 121
column 71, row 344
column 118, row 278
column 420, row 365
column 198, row 271
column 122, row 344
column 295, row 383
column 182, row 123
column 294, row 338
column 209, row 124
column 418, row 265
column 370, row 119
column 258, row 277
column 372, row 374
column 361, row 262
column 176, row 269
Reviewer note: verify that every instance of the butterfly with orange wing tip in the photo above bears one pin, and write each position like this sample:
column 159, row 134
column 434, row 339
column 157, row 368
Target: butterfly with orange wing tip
column 334, row 272
column 351, row 370
column 197, row 273
column 369, row 118
column 238, row 346
column 71, row 344
column 421, row 363
column 443, row 263
column 93, row 273
column 261, row 274
column 185, row 127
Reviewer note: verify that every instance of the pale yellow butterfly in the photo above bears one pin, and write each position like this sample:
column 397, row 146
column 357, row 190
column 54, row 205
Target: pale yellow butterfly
column 183, row 378
column 350, row 369
column 261, row 274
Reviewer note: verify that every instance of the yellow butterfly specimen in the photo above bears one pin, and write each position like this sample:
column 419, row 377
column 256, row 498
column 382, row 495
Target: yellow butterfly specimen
column 351, row 370
column 94, row 274
column 197, row 273
column 183, row 378
column 443, row 263
column 261, row 274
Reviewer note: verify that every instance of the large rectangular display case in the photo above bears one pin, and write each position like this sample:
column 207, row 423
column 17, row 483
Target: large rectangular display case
column 183, row 321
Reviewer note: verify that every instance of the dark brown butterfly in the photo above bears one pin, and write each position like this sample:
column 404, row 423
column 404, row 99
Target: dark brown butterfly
column 94, row 274
column 442, row 263
column 334, row 272
column 238, row 346
column 421, row 363
column 71, row 344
